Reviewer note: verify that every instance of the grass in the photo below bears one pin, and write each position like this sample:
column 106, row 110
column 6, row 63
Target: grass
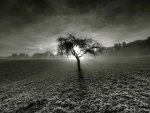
column 43, row 86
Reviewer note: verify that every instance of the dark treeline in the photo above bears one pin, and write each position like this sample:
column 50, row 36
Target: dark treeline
column 43, row 55
column 46, row 54
column 138, row 47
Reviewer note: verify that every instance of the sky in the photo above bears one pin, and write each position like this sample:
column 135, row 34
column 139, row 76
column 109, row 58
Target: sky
column 31, row 26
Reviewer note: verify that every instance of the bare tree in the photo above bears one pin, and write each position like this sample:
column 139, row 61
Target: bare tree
column 68, row 44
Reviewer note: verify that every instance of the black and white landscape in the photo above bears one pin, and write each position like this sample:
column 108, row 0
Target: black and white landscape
column 74, row 56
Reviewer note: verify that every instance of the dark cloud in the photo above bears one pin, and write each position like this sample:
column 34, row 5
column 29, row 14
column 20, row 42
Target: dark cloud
column 33, row 25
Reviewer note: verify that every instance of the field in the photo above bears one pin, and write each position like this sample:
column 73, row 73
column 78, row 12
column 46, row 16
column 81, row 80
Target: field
column 52, row 86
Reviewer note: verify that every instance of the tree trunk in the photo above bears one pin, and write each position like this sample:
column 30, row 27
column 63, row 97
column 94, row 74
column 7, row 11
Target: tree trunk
column 79, row 69
column 78, row 63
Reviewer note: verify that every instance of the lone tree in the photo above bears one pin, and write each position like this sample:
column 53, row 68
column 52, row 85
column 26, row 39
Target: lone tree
column 78, row 47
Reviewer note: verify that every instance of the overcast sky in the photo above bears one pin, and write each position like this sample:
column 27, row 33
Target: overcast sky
column 34, row 25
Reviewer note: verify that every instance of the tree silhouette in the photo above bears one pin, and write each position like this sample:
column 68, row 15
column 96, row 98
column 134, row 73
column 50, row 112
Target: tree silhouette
column 78, row 47
column 117, row 46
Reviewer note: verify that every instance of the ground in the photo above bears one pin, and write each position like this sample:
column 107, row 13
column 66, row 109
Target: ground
column 52, row 86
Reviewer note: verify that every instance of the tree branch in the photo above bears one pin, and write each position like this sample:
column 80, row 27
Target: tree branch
column 93, row 47
column 74, row 53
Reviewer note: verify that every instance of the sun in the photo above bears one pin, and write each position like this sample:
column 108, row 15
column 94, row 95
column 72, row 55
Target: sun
column 71, row 57
column 78, row 51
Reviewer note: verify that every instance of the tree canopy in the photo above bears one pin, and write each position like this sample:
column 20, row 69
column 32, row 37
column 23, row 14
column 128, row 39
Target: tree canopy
column 67, row 45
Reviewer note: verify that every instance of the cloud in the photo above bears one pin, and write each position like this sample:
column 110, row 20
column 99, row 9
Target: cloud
column 31, row 25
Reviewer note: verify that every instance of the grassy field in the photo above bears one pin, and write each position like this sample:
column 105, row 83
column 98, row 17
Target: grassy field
column 52, row 86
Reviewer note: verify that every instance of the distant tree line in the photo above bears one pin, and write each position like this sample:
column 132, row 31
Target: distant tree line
column 44, row 55
column 20, row 55
column 138, row 47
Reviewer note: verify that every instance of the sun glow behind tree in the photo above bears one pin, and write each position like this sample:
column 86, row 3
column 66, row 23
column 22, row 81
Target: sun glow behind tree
column 79, row 52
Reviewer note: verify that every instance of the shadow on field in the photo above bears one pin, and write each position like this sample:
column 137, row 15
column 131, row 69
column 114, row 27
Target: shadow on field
column 82, row 86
